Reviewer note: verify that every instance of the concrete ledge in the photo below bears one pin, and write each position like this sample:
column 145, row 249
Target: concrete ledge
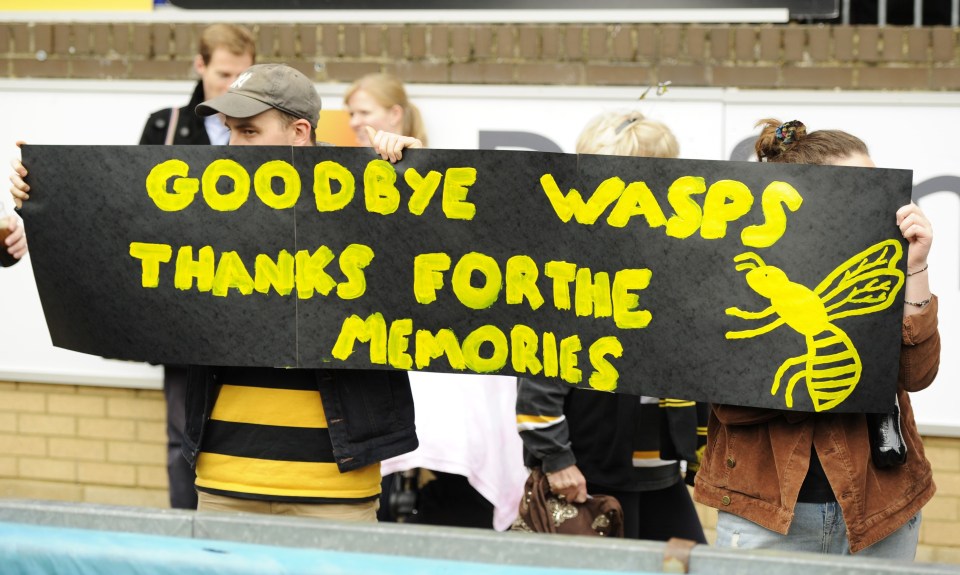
column 443, row 543
column 170, row 522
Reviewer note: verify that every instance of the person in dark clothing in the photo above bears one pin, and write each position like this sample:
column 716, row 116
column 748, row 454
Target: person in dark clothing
column 225, row 50
column 620, row 445
column 186, row 128
column 590, row 442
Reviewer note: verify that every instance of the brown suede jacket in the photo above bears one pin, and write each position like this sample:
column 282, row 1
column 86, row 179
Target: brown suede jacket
column 756, row 459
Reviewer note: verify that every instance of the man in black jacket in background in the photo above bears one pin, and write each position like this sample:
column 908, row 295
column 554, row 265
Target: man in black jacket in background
column 224, row 52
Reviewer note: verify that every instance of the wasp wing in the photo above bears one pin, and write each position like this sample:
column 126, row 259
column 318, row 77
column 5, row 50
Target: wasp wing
column 866, row 283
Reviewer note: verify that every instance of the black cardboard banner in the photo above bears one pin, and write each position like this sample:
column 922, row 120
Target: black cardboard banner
column 774, row 286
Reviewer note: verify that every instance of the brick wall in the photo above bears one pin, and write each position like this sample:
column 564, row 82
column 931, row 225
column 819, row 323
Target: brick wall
column 108, row 445
column 940, row 531
column 77, row 443
column 746, row 56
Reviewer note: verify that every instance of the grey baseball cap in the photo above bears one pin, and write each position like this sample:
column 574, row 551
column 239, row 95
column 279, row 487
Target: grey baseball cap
column 264, row 86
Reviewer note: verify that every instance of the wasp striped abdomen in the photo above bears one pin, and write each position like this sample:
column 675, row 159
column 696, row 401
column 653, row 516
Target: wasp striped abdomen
column 833, row 368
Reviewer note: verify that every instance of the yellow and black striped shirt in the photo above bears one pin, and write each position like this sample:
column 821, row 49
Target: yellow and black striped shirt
column 267, row 439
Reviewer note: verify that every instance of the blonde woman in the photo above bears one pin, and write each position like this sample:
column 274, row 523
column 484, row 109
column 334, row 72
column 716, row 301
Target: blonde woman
column 613, row 444
column 627, row 134
column 380, row 102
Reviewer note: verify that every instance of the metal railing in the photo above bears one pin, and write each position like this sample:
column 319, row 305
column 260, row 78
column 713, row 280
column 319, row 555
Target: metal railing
column 882, row 10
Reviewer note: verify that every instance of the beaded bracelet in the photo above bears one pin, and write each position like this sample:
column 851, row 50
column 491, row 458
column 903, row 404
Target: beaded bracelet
column 921, row 303
column 923, row 269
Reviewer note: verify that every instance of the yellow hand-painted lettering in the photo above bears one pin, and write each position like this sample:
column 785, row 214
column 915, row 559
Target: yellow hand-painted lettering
column 150, row 256
column 485, row 349
column 379, row 187
column 231, row 170
column 334, row 187
column 306, row 271
column 725, row 201
column 184, row 188
column 775, row 196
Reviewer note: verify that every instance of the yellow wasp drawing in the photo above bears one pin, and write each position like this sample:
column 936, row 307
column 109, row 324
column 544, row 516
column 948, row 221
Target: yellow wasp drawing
column 866, row 283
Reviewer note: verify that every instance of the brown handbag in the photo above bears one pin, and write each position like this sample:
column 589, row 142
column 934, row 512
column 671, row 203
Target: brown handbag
column 541, row 511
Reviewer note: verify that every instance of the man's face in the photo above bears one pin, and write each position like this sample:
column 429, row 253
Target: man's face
column 264, row 129
column 223, row 69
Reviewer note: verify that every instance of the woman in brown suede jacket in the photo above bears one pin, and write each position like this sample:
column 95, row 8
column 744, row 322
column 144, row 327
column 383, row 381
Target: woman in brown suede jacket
column 806, row 482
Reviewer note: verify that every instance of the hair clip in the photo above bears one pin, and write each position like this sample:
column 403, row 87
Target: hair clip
column 623, row 125
column 661, row 89
column 787, row 133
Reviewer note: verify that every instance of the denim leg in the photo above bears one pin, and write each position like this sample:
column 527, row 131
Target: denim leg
column 816, row 528
column 900, row 545
column 834, row 528
column 813, row 528
column 738, row 533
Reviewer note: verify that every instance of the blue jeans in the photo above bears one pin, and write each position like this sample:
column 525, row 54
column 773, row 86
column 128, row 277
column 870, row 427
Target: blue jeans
column 816, row 528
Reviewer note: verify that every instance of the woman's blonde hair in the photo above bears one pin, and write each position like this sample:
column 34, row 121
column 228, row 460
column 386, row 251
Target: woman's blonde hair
column 388, row 91
column 789, row 143
column 627, row 134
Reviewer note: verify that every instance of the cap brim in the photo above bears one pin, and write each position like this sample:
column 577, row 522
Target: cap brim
column 233, row 105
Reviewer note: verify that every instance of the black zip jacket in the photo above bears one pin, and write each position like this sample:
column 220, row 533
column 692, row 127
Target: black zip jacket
column 190, row 129
column 600, row 432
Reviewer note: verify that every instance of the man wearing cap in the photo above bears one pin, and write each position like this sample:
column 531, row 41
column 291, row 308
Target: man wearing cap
column 291, row 441
column 276, row 105
column 302, row 442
